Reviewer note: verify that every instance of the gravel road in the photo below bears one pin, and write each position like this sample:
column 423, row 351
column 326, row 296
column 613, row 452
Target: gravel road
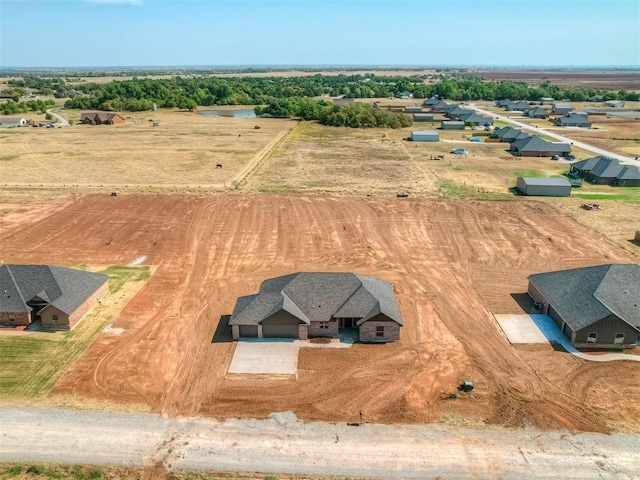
column 279, row 445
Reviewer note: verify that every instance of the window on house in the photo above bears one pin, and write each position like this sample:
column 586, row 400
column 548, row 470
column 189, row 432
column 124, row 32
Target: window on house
column 380, row 331
column 592, row 337
column 324, row 325
column 54, row 319
column 619, row 340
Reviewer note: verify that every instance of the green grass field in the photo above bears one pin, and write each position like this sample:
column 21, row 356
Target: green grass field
column 32, row 363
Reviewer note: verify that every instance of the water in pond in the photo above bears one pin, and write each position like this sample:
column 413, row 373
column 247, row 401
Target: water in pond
column 241, row 113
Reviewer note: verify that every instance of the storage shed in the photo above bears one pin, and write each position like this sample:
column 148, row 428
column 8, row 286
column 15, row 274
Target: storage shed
column 425, row 136
column 423, row 117
column 544, row 186
column 452, row 125
column 412, row 109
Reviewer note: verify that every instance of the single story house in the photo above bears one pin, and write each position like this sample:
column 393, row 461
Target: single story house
column 594, row 307
column 606, row 171
column 452, row 125
column 573, row 119
column 546, row 101
column 58, row 297
column 12, row 122
column 101, row 118
column 404, row 95
column 440, row 107
column 518, row 106
column 509, row 134
column 456, row 112
column 544, row 186
column 560, row 107
column 430, row 101
column 537, row 147
column 425, row 136
column 304, row 305
column 423, row 117
column 476, row 119
column 505, row 102
column 537, row 112
column 412, row 109
column 614, row 103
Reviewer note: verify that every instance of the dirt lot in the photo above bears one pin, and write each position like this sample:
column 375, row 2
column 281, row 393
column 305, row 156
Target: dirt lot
column 184, row 150
column 452, row 263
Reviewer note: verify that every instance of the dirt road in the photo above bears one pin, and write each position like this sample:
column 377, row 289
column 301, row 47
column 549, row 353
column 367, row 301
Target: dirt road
column 377, row 451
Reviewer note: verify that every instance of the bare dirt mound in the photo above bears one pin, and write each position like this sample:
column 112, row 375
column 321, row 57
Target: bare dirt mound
column 451, row 263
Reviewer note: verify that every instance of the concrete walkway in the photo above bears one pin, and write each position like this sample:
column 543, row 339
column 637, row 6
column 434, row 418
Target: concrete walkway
column 562, row 138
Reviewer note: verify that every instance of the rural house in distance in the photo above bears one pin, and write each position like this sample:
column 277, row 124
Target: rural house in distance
column 57, row 296
column 594, row 307
column 303, row 305
column 101, row 118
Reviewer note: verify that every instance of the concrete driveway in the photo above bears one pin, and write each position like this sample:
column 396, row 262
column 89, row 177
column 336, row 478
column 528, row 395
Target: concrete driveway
column 271, row 356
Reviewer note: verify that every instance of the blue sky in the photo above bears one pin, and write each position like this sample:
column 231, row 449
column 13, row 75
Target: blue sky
column 80, row 33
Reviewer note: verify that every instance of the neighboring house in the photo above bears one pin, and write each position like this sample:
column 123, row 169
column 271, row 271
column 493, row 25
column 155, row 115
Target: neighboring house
column 12, row 122
column 505, row 102
column 560, row 107
column 509, row 134
column 614, row 103
column 440, row 107
column 101, row 118
column 537, row 147
column 412, row 109
column 428, row 102
column 537, row 112
column 573, row 119
column 423, row 117
column 58, row 297
column 425, row 136
column 596, row 98
column 476, row 119
column 304, row 305
column 518, row 106
column 456, row 112
column 606, row 171
column 595, row 307
column 404, row 95
column 544, row 186
column 452, row 125
column 546, row 101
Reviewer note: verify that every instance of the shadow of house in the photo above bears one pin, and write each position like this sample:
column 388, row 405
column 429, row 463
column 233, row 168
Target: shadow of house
column 223, row 331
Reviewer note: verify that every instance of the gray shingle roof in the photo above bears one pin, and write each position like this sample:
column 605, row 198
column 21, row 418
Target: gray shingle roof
column 587, row 164
column 64, row 288
column 317, row 297
column 582, row 296
column 476, row 118
column 607, row 168
column 537, row 144
column 629, row 173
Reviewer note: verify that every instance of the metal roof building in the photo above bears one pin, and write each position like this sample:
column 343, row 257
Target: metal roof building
column 425, row 136
column 544, row 186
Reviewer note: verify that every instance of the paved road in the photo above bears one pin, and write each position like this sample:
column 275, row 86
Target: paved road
column 562, row 138
column 61, row 119
column 376, row 451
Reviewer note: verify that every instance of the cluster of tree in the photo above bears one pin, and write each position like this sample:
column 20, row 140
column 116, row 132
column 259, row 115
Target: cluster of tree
column 11, row 108
column 355, row 115
column 188, row 93
column 39, row 85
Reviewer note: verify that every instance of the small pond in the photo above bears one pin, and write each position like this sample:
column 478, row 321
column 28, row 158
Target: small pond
column 240, row 113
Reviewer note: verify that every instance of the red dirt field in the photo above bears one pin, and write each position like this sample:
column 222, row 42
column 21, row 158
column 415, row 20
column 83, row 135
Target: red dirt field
column 608, row 80
column 451, row 262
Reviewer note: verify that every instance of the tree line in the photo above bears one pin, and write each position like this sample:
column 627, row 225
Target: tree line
column 355, row 115
column 12, row 108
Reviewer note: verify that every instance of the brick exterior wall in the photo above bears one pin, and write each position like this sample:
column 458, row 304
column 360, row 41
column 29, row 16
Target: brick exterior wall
column 235, row 332
column 68, row 322
column 316, row 331
column 607, row 328
column 21, row 319
column 303, row 331
column 367, row 331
